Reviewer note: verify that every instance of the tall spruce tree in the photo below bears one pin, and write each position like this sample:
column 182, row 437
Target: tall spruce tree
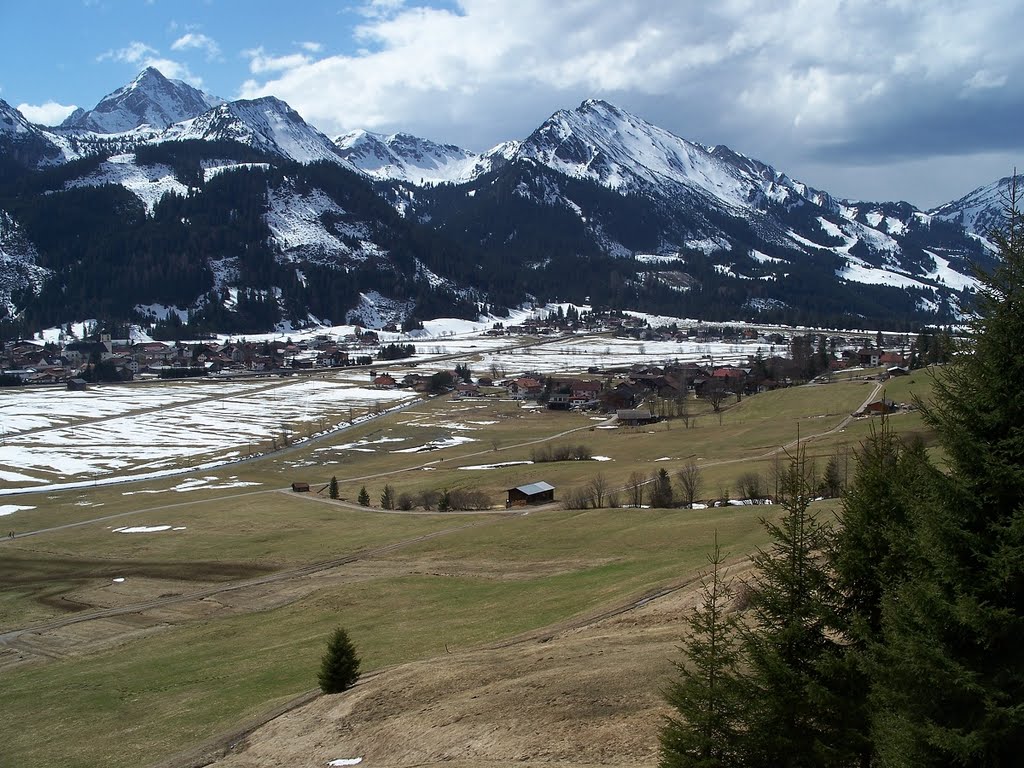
column 952, row 691
column 868, row 559
column 793, row 716
column 706, row 695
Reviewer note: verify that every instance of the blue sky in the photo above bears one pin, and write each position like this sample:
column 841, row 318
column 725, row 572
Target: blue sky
column 869, row 99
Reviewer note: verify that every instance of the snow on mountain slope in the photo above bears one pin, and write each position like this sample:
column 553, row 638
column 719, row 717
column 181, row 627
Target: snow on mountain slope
column 602, row 143
column 148, row 182
column 24, row 142
column 12, row 122
column 376, row 311
column 312, row 227
column 19, row 270
column 945, row 274
column 267, row 124
column 403, row 157
column 981, row 211
column 150, row 99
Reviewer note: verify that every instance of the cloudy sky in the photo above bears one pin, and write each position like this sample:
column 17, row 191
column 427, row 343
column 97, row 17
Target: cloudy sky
column 921, row 101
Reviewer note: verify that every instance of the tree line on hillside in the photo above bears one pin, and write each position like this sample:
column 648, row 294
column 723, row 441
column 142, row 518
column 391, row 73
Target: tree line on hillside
column 893, row 638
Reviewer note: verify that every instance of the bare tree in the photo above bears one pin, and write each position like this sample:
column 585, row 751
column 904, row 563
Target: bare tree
column 598, row 487
column 635, row 487
column 715, row 393
column 750, row 486
column 683, row 408
column 690, row 479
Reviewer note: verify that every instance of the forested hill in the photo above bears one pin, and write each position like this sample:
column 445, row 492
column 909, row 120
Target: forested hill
column 240, row 239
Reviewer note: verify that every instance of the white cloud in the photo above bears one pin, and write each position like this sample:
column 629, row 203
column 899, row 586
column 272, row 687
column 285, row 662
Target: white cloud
column 311, row 46
column 50, row 113
column 133, row 53
column 378, row 9
column 789, row 82
column 141, row 55
column 984, row 79
column 260, row 62
column 199, row 41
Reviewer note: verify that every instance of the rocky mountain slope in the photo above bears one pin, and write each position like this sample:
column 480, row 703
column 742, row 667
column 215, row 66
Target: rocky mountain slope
column 149, row 100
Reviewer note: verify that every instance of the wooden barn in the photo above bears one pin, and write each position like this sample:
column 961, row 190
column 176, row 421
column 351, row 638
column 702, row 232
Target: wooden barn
column 534, row 493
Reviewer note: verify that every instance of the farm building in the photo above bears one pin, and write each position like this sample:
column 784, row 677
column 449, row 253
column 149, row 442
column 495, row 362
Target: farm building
column 635, row 417
column 534, row 493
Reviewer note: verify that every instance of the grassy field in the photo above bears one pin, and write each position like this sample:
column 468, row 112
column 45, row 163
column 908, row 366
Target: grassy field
column 127, row 691
column 146, row 698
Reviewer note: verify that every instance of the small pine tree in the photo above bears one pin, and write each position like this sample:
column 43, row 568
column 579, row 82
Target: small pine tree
column 444, row 503
column 387, row 498
column 364, row 497
column 706, row 695
column 339, row 668
column 332, row 491
column 661, row 490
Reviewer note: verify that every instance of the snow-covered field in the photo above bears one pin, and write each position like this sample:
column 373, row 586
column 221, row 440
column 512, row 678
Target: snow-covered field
column 578, row 353
column 159, row 428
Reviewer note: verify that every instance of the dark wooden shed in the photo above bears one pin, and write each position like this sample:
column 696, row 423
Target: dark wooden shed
column 300, row 487
column 534, row 493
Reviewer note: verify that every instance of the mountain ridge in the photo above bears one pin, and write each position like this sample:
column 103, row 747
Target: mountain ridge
column 596, row 201
column 149, row 100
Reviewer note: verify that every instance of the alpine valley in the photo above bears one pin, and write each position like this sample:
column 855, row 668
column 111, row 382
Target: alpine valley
column 166, row 205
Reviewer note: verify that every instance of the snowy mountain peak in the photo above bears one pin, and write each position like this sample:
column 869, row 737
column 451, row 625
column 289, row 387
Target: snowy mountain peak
column 405, row 157
column 150, row 99
column 979, row 212
column 267, row 124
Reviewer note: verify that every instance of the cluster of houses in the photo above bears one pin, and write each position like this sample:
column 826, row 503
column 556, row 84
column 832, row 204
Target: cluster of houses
column 33, row 362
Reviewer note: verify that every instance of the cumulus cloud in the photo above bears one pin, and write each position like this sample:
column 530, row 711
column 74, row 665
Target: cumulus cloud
column 795, row 83
column 133, row 53
column 260, row 62
column 141, row 55
column 197, row 40
column 50, row 113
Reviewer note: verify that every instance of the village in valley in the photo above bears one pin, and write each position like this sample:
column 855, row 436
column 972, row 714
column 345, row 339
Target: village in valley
column 548, row 461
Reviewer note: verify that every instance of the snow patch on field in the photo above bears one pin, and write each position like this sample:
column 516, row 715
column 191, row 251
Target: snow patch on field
column 10, row 509
column 497, row 466
column 434, row 445
column 144, row 529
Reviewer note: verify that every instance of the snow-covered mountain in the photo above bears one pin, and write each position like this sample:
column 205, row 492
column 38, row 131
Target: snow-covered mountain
column 596, row 202
column 981, row 211
column 23, row 142
column 403, row 157
column 266, row 124
column 712, row 187
column 149, row 100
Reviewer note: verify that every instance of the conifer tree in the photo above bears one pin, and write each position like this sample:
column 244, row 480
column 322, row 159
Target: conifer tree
column 950, row 682
column 364, row 497
column 793, row 718
column 339, row 668
column 332, row 489
column 662, row 495
column 706, row 694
